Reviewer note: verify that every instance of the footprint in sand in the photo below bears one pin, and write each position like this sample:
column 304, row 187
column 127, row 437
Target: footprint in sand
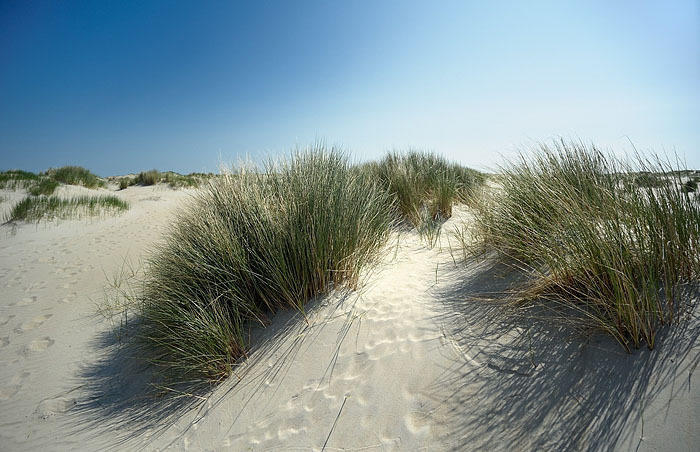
column 8, row 392
column 27, row 301
column 4, row 341
column 4, row 320
column 417, row 421
column 37, row 345
column 36, row 286
column 15, row 384
column 51, row 407
column 33, row 323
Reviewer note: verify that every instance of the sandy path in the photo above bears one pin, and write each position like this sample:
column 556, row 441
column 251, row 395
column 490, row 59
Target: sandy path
column 406, row 364
column 359, row 376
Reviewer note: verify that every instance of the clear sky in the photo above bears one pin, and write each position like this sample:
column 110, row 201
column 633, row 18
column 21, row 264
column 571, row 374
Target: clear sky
column 125, row 86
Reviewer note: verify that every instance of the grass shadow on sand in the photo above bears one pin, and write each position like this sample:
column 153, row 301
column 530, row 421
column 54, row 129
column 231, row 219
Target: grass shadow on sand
column 522, row 381
column 122, row 405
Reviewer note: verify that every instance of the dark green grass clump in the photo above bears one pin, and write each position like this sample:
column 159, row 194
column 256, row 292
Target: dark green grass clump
column 618, row 253
column 126, row 182
column 43, row 186
column 151, row 177
column 173, row 179
column 252, row 243
column 75, row 175
column 52, row 207
column 425, row 185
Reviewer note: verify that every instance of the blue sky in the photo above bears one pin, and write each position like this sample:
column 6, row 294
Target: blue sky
column 126, row 86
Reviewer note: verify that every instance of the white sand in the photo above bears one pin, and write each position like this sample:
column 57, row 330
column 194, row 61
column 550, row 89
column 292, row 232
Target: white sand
column 407, row 364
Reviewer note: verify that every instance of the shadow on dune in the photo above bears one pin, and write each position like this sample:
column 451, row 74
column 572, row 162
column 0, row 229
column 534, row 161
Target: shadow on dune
column 124, row 405
column 521, row 381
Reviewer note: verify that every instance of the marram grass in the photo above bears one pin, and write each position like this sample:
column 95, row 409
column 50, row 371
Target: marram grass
column 254, row 242
column 75, row 175
column 43, row 186
column 46, row 183
column 425, row 186
column 594, row 238
column 173, row 179
column 150, row 177
column 14, row 179
column 37, row 208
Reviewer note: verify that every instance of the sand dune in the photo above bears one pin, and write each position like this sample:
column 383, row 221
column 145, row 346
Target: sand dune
column 406, row 363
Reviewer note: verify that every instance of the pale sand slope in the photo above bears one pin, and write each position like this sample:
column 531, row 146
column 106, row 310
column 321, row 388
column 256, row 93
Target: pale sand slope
column 407, row 364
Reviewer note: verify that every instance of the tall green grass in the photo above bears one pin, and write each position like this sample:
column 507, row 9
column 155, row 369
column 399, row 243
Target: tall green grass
column 425, row 185
column 150, row 177
column 75, row 175
column 43, row 186
column 617, row 252
column 125, row 182
column 251, row 243
column 52, row 207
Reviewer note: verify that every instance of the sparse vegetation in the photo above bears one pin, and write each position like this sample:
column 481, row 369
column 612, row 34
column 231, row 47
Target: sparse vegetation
column 37, row 208
column 617, row 253
column 46, row 183
column 173, row 179
column 254, row 242
column 176, row 180
column 14, row 179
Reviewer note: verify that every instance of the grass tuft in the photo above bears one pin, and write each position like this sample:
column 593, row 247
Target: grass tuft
column 34, row 209
column 125, row 182
column 75, row 175
column 254, row 242
column 43, row 186
column 151, row 177
column 618, row 253
column 425, row 186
